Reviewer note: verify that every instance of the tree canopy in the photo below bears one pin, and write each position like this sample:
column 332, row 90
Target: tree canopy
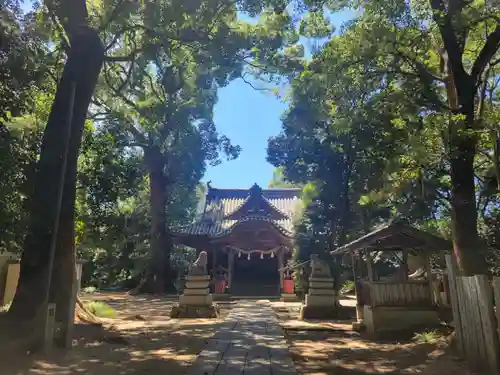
column 392, row 117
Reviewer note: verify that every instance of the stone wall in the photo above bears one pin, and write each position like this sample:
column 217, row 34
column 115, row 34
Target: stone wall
column 386, row 319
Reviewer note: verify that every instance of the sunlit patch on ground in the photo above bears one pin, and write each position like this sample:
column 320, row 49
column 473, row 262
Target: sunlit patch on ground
column 153, row 345
column 332, row 348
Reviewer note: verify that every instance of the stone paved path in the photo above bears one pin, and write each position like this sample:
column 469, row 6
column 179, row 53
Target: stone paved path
column 250, row 342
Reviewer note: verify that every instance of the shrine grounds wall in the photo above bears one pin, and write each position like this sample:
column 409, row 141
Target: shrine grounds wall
column 9, row 276
column 5, row 261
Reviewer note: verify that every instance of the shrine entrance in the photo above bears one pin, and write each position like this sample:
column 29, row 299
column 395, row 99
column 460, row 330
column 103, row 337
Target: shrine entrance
column 256, row 274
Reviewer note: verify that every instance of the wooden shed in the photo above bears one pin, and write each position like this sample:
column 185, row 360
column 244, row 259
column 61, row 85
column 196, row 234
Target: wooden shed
column 403, row 300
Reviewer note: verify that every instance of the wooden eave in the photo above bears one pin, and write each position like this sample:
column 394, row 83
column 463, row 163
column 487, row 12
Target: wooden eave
column 396, row 237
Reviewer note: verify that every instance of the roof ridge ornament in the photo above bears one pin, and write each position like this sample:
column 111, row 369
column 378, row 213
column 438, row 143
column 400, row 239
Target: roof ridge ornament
column 255, row 189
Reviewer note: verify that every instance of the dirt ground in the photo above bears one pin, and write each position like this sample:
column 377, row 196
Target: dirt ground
column 332, row 348
column 155, row 345
column 144, row 340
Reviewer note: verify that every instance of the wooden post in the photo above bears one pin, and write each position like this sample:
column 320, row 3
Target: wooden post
column 428, row 271
column 369, row 265
column 496, row 293
column 404, row 258
column 49, row 328
column 280, row 266
column 446, row 288
column 230, row 266
column 359, row 305
column 451, row 267
column 214, row 260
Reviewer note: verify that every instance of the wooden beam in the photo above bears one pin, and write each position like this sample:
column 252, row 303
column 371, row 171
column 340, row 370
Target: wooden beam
column 404, row 265
column 369, row 265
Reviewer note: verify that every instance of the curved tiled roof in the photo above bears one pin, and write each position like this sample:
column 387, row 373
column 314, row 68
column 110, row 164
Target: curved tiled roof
column 221, row 203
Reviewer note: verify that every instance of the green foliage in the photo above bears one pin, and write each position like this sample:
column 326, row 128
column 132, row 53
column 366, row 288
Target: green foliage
column 347, row 287
column 369, row 129
column 4, row 308
column 279, row 181
column 367, row 134
column 427, row 337
column 314, row 24
column 21, row 61
column 101, row 309
column 89, row 289
column 23, row 66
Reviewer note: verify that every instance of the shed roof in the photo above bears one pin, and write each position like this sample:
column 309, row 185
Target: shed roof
column 397, row 236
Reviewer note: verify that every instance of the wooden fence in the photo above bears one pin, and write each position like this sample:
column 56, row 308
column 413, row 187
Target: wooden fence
column 475, row 303
column 410, row 293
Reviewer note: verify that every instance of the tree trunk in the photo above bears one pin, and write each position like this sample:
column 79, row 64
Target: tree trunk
column 64, row 271
column 466, row 245
column 82, row 68
column 160, row 243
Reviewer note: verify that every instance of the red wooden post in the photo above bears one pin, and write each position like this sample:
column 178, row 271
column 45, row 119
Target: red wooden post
column 288, row 287
column 220, row 286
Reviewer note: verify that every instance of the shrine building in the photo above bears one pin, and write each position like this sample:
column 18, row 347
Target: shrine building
column 248, row 233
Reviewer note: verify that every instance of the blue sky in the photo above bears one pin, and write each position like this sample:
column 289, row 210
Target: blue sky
column 249, row 117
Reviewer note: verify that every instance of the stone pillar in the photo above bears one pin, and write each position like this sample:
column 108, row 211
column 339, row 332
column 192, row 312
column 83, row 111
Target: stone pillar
column 321, row 301
column 196, row 300
column 196, row 291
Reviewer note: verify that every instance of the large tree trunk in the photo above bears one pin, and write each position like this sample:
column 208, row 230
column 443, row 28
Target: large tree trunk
column 463, row 203
column 65, row 255
column 82, row 68
column 466, row 243
column 159, row 266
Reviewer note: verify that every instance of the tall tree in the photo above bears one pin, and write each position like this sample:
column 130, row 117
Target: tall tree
column 138, row 37
column 432, row 56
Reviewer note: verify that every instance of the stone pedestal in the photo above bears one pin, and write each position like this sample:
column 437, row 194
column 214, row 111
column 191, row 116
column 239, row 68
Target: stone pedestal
column 320, row 302
column 289, row 297
column 221, row 296
column 196, row 301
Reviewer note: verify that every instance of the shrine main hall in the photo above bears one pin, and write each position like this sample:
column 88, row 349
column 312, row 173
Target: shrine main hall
column 248, row 235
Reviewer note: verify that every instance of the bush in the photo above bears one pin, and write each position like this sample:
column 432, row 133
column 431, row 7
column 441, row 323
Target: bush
column 347, row 287
column 101, row 309
column 427, row 337
column 5, row 308
column 89, row 289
